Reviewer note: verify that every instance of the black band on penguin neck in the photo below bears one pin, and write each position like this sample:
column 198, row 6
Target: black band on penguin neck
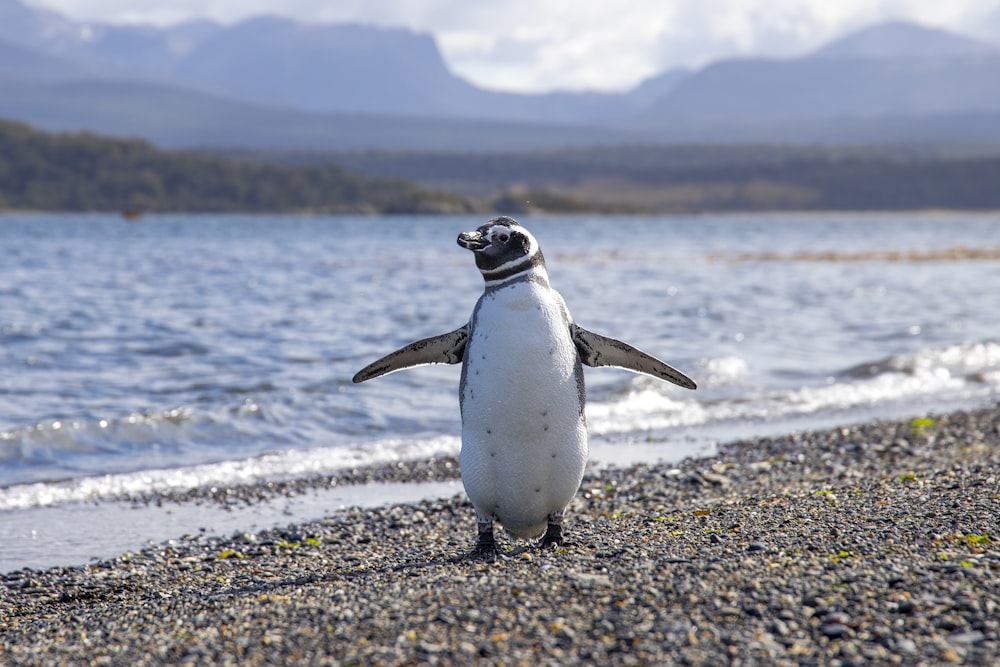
column 497, row 276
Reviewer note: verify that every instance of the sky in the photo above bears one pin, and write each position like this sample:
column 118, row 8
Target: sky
column 544, row 45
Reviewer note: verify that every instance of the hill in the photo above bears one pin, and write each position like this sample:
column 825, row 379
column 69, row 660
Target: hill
column 84, row 172
column 691, row 178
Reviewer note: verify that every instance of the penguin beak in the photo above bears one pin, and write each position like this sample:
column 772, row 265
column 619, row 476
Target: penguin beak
column 473, row 241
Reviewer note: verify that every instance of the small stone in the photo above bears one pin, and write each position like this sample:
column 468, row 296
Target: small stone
column 588, row 580
column 837, row 617
column 835, row 630
column 970, row 637
column 716, row 478
column 430, row 649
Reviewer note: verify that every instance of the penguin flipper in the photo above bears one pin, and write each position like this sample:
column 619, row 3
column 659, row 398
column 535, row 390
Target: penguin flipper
column 444, row 349
column 597, row 350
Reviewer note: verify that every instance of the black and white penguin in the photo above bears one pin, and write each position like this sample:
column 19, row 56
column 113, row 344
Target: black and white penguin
column 522, row 397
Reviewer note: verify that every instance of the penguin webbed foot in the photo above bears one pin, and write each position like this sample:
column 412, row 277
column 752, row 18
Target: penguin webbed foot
column 553, row 536
column 487, row 554
column 486, row 545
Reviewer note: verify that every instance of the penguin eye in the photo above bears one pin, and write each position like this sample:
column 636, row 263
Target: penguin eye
column 503, row 237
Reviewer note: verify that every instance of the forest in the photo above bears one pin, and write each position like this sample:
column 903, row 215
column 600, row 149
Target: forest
column 84, row 172
column 703, row 178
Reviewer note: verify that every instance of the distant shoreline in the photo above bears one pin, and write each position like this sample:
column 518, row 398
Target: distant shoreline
column 361, row 213
column 875, row 542
column 84, row 172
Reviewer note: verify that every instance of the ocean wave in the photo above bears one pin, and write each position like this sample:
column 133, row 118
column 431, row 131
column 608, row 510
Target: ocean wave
column 272, row 466
column 967, row 371
column 58, row 448
column 963, row 360
column 57, row 438
column 626, row 407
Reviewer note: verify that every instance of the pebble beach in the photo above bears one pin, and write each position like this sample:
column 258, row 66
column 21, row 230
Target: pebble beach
column 869, row 544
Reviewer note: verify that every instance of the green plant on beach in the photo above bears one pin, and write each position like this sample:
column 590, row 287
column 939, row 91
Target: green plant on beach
column 977, row 540
column 920, row 425
column 841, row 555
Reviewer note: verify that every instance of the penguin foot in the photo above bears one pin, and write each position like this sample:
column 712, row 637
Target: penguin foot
column 553, row 536
column 486, row 547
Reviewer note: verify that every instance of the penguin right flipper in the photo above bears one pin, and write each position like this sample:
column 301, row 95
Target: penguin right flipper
column 444, row 349
column 598, row 350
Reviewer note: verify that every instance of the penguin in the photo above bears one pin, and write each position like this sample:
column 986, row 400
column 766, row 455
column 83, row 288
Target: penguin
column 521, row 393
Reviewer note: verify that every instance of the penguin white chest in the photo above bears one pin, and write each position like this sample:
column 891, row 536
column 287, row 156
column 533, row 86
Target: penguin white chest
column 524, row 437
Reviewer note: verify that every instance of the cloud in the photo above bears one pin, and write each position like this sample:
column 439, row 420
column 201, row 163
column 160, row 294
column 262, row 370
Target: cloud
column 615, row 45
column 584, row 44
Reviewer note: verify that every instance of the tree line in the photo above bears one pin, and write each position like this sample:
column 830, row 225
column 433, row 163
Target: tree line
column 85, row 172
column 686, row 178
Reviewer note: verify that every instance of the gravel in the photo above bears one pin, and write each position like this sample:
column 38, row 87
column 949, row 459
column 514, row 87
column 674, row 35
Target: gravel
column 871, row 544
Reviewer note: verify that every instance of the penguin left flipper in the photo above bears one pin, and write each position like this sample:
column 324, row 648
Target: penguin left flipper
column 444, row 349
column 598, row 350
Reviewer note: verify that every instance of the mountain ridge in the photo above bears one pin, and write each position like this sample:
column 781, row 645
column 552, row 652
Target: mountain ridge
column 269, row 81
column 899, row 39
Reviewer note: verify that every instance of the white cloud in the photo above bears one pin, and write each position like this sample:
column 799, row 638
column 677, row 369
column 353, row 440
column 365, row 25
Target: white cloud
column 565, row 44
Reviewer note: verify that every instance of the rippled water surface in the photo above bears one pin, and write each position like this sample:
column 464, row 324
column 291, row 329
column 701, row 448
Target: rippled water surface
column 194, row 349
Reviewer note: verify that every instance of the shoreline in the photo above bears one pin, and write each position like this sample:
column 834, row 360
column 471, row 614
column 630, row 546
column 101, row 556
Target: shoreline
column 877, row 542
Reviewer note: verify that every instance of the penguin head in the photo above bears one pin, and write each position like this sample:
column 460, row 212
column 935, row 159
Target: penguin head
column 502, row 248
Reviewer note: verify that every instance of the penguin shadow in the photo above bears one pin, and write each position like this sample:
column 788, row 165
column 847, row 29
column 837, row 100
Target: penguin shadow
column 470, row 557
column 477, row 555
column 410, row 567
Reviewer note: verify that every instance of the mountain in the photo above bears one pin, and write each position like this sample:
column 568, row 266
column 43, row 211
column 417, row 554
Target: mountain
column 21, row 63
column 899, row 39
column 176, row 117
column 753, row 90
column 348, row 68
column 896, row 69
column 27, row 26
column 344, row 68
column 144, row 51
column 270, row 82
column 655, row 87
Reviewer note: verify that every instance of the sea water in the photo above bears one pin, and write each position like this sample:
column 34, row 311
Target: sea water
column 190, row 350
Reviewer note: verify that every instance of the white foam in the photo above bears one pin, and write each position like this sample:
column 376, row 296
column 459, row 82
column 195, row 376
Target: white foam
column 643, row 410
column 967, row 372
column 957, row 372
column 723, row 370
column 269, row 466
column 970, row 357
